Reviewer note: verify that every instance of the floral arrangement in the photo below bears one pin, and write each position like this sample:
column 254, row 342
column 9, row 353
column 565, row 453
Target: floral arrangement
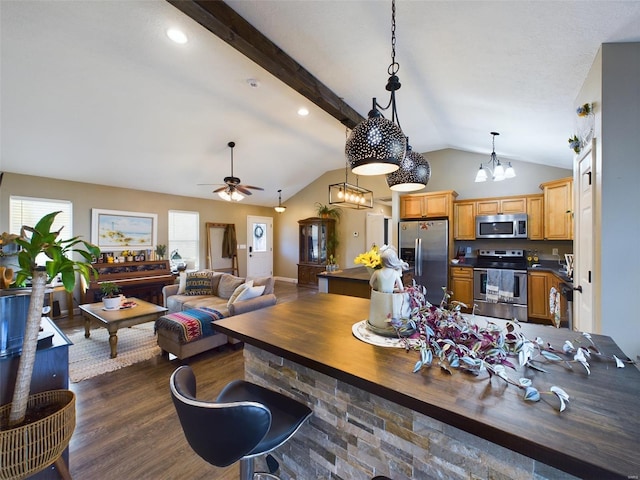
column 585, row 109
column 575, row 144
column 369, row 259
column 445, row 338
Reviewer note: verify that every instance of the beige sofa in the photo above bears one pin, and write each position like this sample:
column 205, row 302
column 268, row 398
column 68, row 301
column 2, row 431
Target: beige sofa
column 223, row 286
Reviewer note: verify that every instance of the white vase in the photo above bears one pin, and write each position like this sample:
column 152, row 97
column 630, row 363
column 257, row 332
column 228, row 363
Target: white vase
column 112, row 303
column 384, row 306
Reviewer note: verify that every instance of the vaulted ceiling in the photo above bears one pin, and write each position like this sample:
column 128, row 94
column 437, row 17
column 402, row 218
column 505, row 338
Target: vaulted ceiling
column 96, row 92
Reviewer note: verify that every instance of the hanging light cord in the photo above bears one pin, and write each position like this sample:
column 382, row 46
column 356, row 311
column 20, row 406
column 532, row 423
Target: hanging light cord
column 393, row 83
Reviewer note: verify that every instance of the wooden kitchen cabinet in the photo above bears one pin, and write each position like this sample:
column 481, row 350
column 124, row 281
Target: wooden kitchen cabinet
column 497, row 206
column 427, row 205
column 538, row 287
column 535, row 216
column 461, row 286
column 464, row 220
column 558, row 209
column 539, row 284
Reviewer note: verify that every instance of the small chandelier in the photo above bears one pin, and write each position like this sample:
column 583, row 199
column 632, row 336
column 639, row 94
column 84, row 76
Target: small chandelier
column 377, row 146
column 497, row 171
column 349, row 195
column 280, row 208
column 413, row 174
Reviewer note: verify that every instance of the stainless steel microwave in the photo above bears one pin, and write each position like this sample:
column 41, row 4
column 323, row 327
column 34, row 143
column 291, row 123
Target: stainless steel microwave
column 501, row 226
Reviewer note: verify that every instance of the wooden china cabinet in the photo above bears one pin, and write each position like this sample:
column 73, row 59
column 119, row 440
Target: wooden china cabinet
column 317, row 243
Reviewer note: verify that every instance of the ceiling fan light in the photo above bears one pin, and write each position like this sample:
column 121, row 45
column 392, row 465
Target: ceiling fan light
column 376, row 146
column 236, row 196
column 413, row 174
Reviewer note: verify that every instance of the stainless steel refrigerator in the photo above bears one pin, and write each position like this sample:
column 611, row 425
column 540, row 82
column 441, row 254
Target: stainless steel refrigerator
column 424, row 245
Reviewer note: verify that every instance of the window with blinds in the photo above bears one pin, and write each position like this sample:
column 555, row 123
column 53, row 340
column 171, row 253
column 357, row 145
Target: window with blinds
column 184, row 237
column 28, row 211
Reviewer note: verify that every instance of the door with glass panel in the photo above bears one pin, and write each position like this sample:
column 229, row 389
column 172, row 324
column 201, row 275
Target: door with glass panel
column 259, row 246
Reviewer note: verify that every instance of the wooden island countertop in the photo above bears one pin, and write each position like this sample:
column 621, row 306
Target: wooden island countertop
column 597, row 436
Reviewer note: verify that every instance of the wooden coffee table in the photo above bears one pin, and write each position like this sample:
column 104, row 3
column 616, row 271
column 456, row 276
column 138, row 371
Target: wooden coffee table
column 113, row 319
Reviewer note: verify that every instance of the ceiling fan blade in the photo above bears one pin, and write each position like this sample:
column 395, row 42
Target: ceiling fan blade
column 219, row 189
column 201, row 184
column 241, row 189
column 254, row 188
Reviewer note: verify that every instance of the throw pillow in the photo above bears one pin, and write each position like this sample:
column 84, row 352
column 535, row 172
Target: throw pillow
column 238, row 291
column 249, row 293
column 198, row 283
column 228, row 284
column 266, row 281
column 183, row 283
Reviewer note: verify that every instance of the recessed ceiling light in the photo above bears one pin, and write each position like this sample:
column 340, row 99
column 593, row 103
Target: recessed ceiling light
column 303, row 112
column 177, row 36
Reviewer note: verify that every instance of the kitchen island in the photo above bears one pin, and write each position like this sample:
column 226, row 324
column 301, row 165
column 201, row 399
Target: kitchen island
column 373, row 416
column 351, row 281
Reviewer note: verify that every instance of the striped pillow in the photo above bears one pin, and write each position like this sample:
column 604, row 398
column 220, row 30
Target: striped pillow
column 198, row 283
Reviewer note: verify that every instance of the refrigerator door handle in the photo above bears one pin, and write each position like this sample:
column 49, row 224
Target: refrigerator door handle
column 419, row 257
column 416, row 254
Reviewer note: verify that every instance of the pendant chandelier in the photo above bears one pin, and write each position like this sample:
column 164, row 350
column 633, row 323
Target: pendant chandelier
column 348, row 195
column 495, row 168
column 377, row 146
column 413, row 174
column 280, row 208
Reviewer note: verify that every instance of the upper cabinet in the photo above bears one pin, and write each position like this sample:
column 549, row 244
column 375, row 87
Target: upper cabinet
column 464, row 220
column 558, row 209
column 465, row 211
column 427, row 205
column 497, row 206
column 535, row 216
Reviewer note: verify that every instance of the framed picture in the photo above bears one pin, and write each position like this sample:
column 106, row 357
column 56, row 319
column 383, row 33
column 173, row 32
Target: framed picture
column 117, row 230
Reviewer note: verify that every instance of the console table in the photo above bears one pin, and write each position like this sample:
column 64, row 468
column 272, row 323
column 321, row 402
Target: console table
column 372, row 414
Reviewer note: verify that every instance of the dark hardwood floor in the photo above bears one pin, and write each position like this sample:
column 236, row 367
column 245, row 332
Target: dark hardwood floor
column 126, row 425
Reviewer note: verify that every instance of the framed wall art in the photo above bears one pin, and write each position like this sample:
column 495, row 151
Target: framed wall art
column 118, row 230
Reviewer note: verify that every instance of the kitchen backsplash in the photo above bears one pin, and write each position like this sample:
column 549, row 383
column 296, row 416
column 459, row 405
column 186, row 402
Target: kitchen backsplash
column 545, row 248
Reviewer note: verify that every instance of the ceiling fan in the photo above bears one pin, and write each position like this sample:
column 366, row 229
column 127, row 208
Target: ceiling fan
column 232, row 188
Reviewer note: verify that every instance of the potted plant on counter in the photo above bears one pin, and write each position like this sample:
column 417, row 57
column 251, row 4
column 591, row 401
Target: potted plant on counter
column 35, row 430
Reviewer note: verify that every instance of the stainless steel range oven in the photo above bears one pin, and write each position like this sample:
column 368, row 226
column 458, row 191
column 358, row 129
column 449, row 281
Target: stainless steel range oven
column 500, row 284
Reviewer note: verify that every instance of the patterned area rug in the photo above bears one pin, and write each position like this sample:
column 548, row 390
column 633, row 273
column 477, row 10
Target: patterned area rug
column 89, row 357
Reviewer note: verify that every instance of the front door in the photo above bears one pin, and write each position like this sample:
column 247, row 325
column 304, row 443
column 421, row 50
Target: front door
column 259, row 246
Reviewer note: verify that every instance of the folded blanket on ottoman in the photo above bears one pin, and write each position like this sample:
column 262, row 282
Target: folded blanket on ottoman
column 191, row 324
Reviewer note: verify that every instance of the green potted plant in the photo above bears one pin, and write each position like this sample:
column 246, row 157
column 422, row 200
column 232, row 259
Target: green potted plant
column 326, row 211
column 110, row 296
column 161, row 251
column 50, row 432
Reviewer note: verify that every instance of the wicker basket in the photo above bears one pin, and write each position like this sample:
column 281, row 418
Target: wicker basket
column 30, row 448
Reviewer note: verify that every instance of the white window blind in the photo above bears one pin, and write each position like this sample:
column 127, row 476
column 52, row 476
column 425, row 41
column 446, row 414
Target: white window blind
column 184, row 236
column 28, row 211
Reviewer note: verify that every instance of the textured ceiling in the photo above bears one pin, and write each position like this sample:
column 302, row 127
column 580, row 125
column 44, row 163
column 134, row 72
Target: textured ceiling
column 95, row 91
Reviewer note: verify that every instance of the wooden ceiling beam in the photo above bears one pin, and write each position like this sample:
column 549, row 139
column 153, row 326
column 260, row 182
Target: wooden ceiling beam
column 224, row 22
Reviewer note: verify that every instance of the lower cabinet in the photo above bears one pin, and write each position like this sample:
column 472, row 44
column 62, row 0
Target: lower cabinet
column 461, row 284
column 539, row 286
column 308, row 274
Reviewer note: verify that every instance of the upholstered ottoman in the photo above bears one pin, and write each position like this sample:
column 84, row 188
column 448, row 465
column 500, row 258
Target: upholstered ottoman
column 189, row 332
